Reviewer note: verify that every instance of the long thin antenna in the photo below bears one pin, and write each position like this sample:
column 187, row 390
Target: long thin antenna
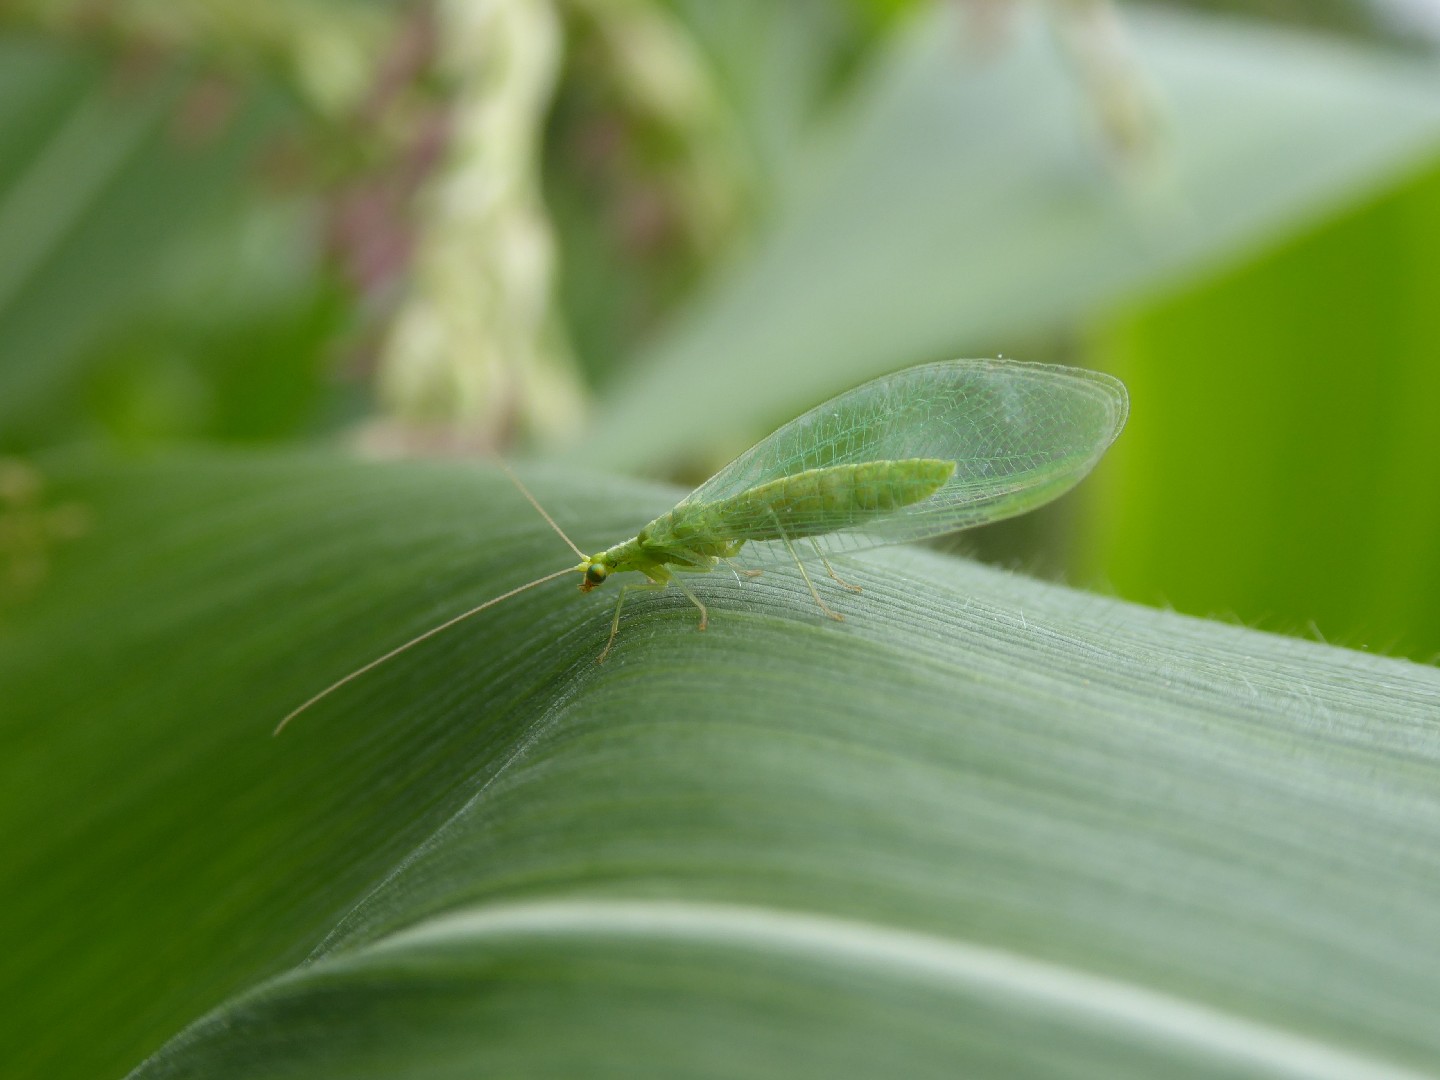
column 536, row 503
column 417, row 640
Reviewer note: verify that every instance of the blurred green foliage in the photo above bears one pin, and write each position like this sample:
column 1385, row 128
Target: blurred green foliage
column 1285, row 455
column 216, row 218
column 127, row 208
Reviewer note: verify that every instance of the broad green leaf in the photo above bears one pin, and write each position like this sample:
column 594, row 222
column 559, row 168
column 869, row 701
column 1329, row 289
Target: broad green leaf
column 960, row 204
column 984, row 826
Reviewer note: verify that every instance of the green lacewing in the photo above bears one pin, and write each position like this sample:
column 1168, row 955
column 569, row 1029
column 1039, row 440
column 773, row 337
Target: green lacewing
column 923, row 452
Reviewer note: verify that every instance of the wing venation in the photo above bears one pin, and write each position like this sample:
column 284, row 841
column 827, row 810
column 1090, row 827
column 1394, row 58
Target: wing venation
column 1018, row 434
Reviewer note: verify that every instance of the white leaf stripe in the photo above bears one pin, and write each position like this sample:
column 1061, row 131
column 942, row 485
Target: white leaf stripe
column 1158, row 1019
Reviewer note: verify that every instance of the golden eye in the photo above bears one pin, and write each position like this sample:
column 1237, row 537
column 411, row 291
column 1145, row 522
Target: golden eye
column 595, row 573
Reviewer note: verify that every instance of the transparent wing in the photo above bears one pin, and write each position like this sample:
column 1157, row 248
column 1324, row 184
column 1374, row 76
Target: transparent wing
column 1019, row 434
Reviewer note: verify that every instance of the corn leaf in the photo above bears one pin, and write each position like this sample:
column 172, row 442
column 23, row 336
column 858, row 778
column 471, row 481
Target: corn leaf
column 985, row 826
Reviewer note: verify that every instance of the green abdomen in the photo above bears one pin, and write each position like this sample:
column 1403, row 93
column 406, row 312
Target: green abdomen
column 809, row 503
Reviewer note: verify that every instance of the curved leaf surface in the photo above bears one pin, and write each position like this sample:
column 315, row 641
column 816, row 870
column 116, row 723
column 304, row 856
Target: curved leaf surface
column 985, row 825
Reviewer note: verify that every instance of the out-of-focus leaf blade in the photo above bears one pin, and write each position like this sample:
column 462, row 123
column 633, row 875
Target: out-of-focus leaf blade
column 1283, row 466
column 961, row 204
column 102, row 176
column 1242, row 826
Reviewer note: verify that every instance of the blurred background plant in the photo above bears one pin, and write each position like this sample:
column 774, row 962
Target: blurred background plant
column 644, row 232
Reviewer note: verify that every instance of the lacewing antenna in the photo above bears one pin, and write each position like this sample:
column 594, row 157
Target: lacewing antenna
column 540, row 509
column 416, row 641
column 373, row 664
